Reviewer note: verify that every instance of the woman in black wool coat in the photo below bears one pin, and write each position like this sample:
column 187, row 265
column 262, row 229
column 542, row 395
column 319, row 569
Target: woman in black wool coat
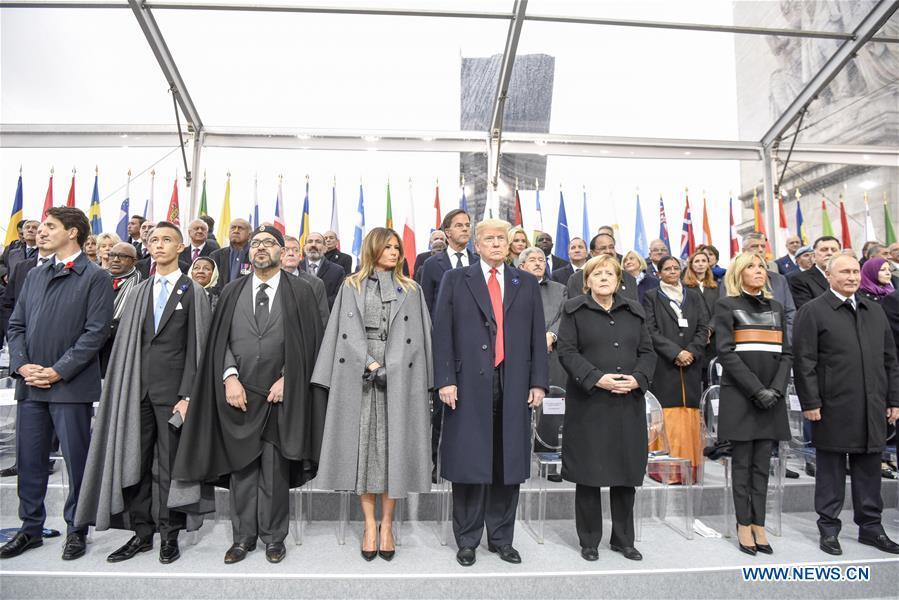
column 755, row 354
column 678, row 322
column 605, row 348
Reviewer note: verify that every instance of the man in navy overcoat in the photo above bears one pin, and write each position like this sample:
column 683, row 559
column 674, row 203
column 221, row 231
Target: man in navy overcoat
column 490, row 369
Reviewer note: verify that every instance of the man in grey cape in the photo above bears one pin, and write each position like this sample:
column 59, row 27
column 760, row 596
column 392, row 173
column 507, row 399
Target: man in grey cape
column 162, row 332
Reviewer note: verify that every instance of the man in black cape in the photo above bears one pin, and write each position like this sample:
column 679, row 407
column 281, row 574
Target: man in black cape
column 254, row 423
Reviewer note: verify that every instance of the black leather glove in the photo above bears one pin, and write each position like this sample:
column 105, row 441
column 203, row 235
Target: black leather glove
column 377, row 377
column 765, row 398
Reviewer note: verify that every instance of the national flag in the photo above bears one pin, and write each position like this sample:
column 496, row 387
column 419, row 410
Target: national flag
column 585, row 220
column 706, row 227
column 304, row 219
column 203, row 210
column 438, row 217
column 409, row 233
column 800, row 223
column 335, row 226
column 122, row 226
column 870, row 232
column 93, row 214
column 389, row 220
column 641, row 245
column 687, row 242
column 359, row 229
column 516, row 216
column 826, row 227
column 782, row 226
column 48, row 198
column 148, row 205
column 173, row 215
column 255, row 220
column 734, row 242
column 463, row 201
column 759, row 221
column 12, row 234
column 889, row 232
column 70, row 200
column 663, row 225
column 539, row 223
column 562, row 237
column 225, row 216
column 844, row 225
column 279, row 208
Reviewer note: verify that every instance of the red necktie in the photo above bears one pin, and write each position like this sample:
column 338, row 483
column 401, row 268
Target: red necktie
column 116, row 283
column 496, row 299
column 153, row 268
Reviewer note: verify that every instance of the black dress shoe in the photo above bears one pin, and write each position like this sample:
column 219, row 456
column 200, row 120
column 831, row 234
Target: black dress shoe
column 74, row 547
column 19, row 544
column 791, row 474
column 275, row 552
column 169, row 551
column 434, row 475
column 881, row 542
column 238, row 552
column 830, row 544
column 506, row 553
column 810, row 469
column 466, row 557
column 590, row 554
column 131, row 548
column 764, row 548
column 12, row 471
column 629, row 552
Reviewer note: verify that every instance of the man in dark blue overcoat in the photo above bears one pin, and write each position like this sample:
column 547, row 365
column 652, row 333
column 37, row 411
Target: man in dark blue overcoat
column 56, row 332
column 490, row 369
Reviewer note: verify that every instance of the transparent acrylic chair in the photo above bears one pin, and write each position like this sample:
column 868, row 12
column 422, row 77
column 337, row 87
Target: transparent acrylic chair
column 709, row 408
column 547, row 433
column 661, row 462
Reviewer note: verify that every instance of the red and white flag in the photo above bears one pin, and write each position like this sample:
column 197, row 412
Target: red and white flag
column 409, row 233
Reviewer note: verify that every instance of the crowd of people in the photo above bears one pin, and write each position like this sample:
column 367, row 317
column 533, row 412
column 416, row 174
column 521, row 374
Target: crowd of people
column 269, row 362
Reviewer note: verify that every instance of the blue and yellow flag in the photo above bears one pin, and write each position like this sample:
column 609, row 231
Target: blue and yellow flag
column 11, row 233
column 304, row 219
column 94, row 213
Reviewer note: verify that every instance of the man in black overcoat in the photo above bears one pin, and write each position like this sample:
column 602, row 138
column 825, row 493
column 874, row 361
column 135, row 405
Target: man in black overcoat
column 813, row 282
column 490, row 369
column 56, row 332
column 314, row 262
column 847, row 376
column 603, row 243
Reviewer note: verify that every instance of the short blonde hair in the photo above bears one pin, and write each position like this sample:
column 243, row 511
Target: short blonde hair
column 733, row 279
column 103, row 237
column 492, row 224
column 600, row 261
column 640, row 259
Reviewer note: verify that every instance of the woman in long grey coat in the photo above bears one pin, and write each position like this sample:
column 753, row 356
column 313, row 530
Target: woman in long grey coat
column 606, row 349
column 376, row 363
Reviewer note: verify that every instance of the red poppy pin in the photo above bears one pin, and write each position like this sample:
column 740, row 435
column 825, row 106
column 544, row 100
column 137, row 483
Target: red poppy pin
column 69, row 265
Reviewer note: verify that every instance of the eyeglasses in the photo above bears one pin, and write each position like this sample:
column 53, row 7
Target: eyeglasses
column 117, row 256
column 268, row 244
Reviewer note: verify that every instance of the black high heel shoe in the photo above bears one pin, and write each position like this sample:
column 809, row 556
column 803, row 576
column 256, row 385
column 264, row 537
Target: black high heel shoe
column 750, row 550
column 763, row 548
column 386, row 554
column 369, row 555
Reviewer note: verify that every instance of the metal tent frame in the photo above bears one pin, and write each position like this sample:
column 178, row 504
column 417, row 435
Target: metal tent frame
column 495, row 140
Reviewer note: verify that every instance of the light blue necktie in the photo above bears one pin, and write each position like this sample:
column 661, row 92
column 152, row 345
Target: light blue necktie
column 161, row 301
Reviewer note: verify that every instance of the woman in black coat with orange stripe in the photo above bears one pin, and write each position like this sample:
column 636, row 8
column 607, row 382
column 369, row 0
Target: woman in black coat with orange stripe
column 755, row 354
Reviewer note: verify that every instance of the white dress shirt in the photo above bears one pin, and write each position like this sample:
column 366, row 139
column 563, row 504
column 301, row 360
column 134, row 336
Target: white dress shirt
column 844, row 298
column 68, row 259
column 499, row 276
column 270, row 290
column 452, row 257
column 172, row 279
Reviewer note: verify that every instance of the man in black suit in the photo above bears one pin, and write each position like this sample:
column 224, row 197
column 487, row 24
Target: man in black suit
column 847, row 377
column 577, row 253
column 145, row 228
column 812, row 283
column 210, row 226
column 56, row 332
column 24, row 250
column 786, row 264
column 134, row 237
column 17, row 243
column 165, row 332
column 200, row 244
column 544, row 241
column 333, row 253
column 233, row 261
column 456, row 226
column 603, row 243
column 657, row 251
column 315, row 263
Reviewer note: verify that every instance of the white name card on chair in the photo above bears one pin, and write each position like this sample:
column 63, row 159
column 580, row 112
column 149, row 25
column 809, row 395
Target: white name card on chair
column 794, row 403
column 554, row 406
column 714, row 402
